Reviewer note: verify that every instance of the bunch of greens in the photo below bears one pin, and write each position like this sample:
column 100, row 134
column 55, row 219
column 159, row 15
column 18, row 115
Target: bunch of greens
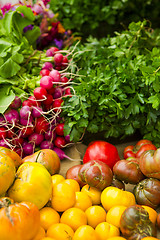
column 99, row 17
column 19, row 61
column 118, row 88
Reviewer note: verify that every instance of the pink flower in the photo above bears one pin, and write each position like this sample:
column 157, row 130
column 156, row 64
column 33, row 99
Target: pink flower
column 6, row 8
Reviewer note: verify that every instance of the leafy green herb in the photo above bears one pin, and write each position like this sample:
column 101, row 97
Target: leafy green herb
column 118, row 89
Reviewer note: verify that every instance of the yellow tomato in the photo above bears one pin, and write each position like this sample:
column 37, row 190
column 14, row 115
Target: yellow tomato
column 95, row 215
column 48, row 216
column 112, row 196
column 63, row 197
column 57, row 178
column 73, row 183
column 33, row 184
column 74, row 217
column 47, row 238
column 7, row 172
column 152, row 213
column 93, row 193
column 105, row 230
column 116, row 238
column 40, row 234
column 150, row 238
column 60, row 231
column 83, row 201
column 85, row 232
column 114, row 214
column 13, row 155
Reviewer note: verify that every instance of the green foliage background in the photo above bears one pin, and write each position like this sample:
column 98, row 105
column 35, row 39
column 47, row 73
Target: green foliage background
column 100, row 17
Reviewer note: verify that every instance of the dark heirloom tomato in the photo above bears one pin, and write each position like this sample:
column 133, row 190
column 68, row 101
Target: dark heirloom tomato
column 135, row 223
column 96, row 174
column 118, row 183
column 128, row 171
column 72, row 173
column 149, row 163
column 147, row 192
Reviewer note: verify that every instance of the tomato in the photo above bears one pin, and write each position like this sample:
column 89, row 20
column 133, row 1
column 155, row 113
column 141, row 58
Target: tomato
column 147, row 192
column 7, row 172
column 48, row 158
column 135, row 223
column 12, row 154
column 102, row 151
column 149, row 163
column 72, row 173
column 112, row 196
column 33, row 183
column 18, row 220
column 140, row 147
column 96, row 174
column 128, row 171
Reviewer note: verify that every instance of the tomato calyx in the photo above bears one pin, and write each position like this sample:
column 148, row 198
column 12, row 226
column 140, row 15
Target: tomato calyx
column 5, row 202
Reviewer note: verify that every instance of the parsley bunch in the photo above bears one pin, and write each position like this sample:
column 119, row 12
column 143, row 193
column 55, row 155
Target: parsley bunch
column 118, row 88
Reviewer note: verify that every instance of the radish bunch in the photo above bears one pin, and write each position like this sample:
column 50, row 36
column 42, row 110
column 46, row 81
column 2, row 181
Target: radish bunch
column 36, row 122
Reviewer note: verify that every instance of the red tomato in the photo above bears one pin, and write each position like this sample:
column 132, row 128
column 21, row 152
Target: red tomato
column 144, row 148
column 103, row 151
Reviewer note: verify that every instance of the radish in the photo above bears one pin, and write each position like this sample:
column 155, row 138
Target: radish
column 46, row 82
column 41, row 125
column 25, row 112
column 34, row 101
column 28, row 148
column 40, row 93
column 3, row 143
column 60, row 129
column 12, row 116
column 36, row 138
column 16, row 103
column 67, row 138
column 54, row 50
column 64, row 79
column 44, row 72
column 61, row 153
column 47, row 65
column 26, row 122
column 58, row 92
column 26, row 131
column 46, row 145
column 48, row 100
column 57, row 104
column 36, row 112
column 59, row 142
column 50, row 135
column 55, row 75
column 27, row 103
column 58, row 58
column 3, row 133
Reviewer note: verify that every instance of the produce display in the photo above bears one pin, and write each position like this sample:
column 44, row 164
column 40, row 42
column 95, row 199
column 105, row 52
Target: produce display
column 54, row 89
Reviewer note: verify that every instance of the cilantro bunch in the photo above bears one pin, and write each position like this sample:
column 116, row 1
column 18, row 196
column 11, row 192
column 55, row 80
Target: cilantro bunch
column 118, row 88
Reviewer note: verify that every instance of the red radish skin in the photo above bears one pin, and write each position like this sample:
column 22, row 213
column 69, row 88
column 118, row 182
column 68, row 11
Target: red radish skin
column 59, row 142
column 58, row 58
column 55, row 75
column 46, row 82
column 3, row 133
column 44, row 72
column 40, row 93
column 16, row 103
column 60, row 129
column 103, row 151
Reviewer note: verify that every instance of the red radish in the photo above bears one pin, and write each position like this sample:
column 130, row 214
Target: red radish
column 54, row 50
column 40, row 93
column 47, row 65
column 17, row 141
column 3, row 133
column 44, row 72
column 34, row 101
column 36, row 138
column 27, row 103
column 64, row 79
column 28, row 149
column 26, row 131
column 67, row 91
column 41, row 125
column 46, row 145
column 57, row 93
column 61, row 154
column 58, row 58
column 10, row 133
column 36, row 112
column 67, row 138
column 46, row 82
column 25, row 112
column 59, row 142
column 16, row 103
column 64, row 61
column 48, row 100
column 12, row 116
column 3, row 143
column 55, row 75
column 51, row 91
column 50, row 135
column 26, row 122
column 57, row 104
column 103, row 151
column 60, row 129
column 49, row 53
